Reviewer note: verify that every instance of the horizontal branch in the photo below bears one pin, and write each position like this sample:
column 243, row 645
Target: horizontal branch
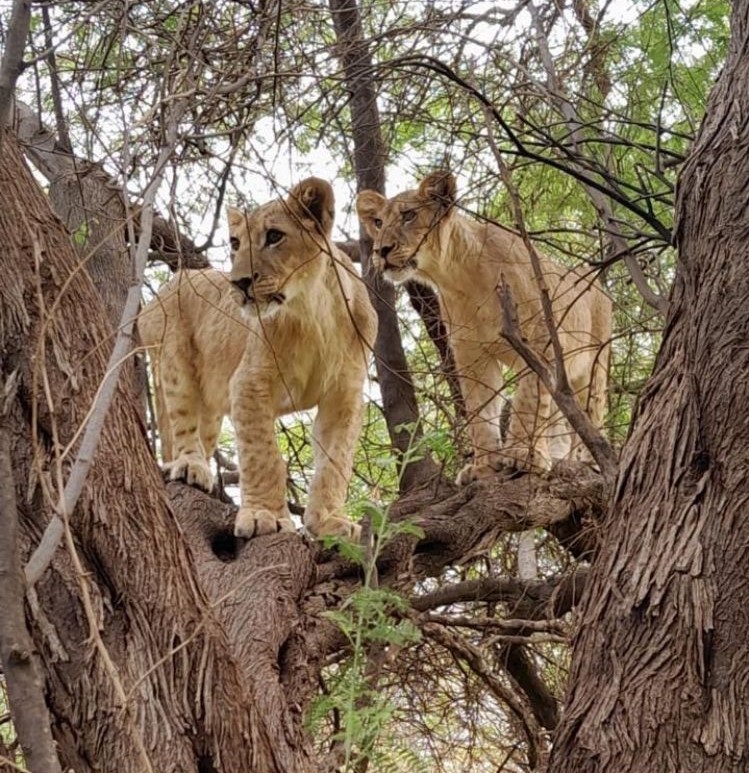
column 532, row 599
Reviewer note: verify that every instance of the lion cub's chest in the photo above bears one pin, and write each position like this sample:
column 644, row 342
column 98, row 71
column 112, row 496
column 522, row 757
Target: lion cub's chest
column 306, row 359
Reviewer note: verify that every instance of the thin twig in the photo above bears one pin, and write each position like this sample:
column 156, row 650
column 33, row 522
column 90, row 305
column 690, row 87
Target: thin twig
column 13, row 765
column 601, row 202
column 461, row 648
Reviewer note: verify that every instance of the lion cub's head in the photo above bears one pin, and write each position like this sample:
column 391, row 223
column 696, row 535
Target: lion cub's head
column 279, row 248
column 405, row 228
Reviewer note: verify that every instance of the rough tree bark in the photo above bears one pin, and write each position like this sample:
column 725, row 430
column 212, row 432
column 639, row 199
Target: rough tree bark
column 660, row 663
column 21, row 671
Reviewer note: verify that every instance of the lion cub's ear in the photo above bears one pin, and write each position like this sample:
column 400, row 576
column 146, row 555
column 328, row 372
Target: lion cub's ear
column 369, row 206
column 314, row 198
column 234, row 216
column 441, row 186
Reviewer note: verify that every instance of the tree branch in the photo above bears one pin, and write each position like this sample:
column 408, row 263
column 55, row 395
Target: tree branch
column 560, row 390
column 399, row 400
column 531, row 599
column 12, row 63
column 472, row 655
column 541, row 699
column 601, row 202
column 20, row 668
column 434, row 65
column 41, row 145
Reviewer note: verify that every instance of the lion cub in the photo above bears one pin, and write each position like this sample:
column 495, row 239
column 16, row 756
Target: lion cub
column 289, row 329
column 419, row 235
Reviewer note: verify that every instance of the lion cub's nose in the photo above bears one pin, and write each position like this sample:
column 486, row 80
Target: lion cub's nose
column 385, row 250
column 244, row 283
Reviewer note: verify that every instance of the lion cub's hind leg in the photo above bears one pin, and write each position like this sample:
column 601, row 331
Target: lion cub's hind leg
column 183, row 401
column 480, row 383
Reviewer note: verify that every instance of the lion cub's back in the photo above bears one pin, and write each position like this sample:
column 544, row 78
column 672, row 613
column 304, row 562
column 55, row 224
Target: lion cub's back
column 195, row 321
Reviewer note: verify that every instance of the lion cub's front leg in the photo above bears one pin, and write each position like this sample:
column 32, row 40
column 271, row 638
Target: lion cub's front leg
column 480, row 383
column 526, row 445
column 262, row 472
column 334, row 435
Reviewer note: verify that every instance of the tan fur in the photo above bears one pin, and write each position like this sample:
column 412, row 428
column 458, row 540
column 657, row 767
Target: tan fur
column 419, row 235
column 290, row 329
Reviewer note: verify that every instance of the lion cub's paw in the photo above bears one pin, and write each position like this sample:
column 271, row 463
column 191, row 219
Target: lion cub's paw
column 251, row 523
column 193, row 469
column 333, row 526
column 476, row 471
column 513, row 459
column 522, row 458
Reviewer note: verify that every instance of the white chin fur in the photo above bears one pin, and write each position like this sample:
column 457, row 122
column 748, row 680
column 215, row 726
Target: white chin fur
column 252, row 311
column 398, row 276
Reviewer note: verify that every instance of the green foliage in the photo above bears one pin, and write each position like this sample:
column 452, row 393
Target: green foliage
column 80, row 236
column 372, row 620
column 8, row 740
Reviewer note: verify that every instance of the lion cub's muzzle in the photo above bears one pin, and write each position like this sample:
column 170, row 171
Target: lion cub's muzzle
column 391, row 261
column 256, row 289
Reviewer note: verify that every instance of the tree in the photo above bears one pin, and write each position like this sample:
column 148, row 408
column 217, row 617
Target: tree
column 167, row 645
column 51, row 309
column 656, row 675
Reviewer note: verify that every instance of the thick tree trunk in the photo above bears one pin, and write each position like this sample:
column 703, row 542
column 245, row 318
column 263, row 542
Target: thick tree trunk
column 659, row 672
column 159, row 675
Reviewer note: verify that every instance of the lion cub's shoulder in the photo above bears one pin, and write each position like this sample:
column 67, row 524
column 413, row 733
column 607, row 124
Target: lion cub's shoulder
column 194, row 322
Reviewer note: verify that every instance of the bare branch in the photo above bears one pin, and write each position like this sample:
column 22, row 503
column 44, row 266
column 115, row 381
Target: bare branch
column 472, row 655
column 559, row 389
column 601, row 202
column 433, row 65
column 398, row 397
column 12, row 63
column 42, row 146
column 542, row 701
column 558, row 385
column 534, row 599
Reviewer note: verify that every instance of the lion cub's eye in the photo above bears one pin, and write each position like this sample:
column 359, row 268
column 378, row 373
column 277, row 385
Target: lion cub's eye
column 273, row 236
column 234, row 243
column 377, row 223
column 408, row 215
